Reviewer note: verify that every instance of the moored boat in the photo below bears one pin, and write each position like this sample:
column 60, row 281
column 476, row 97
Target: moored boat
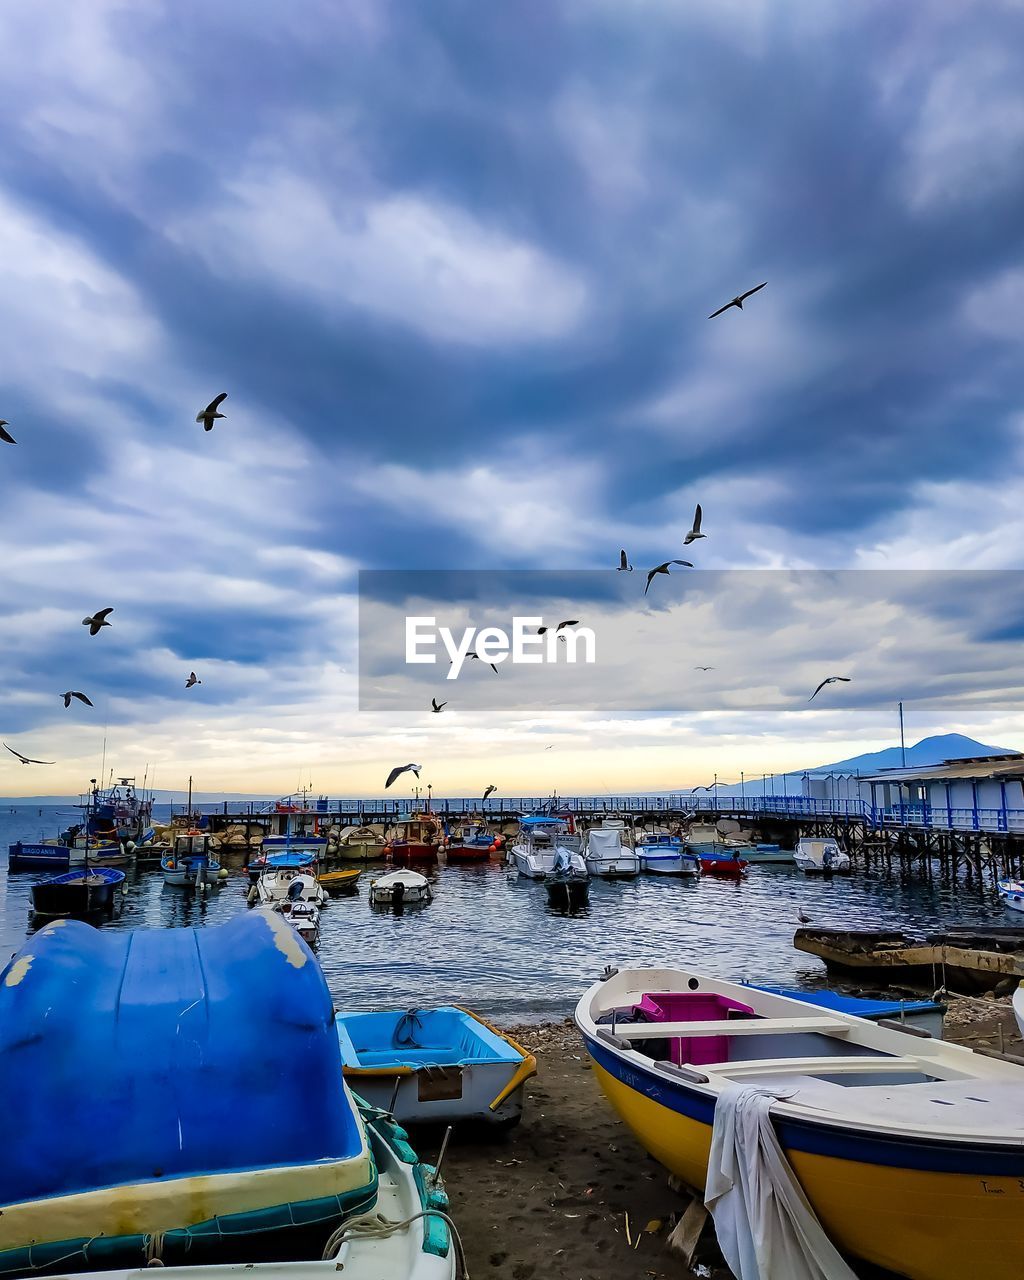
column 567, row 888
column 415, row 839
column 606, row 856
column 287, row 877
column 399, row 887
column 923, row 1015
column 190, row 864
column 433, row 1066
column 81, row 891
column 822, row 857
column 472, row 842
column 720, row 859
column 1012, row 894
column 341, row 881
column 181, row 1026
column 666, row 855
column 537, row 845
column 878, row 1127
column 360, row 844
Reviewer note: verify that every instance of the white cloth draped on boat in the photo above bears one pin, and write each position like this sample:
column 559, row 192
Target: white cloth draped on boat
column 766, row 1228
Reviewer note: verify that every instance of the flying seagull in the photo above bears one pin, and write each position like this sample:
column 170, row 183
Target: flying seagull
column 73, row 693
column 192, row 679
column 435, row 705
column 695, row 532
column 492, row 788
column 624, row 565
column 573, row 622
column 98, row 620
column 703, row 668
column 663, row 568
column 6, row 436
column 399, row 769
column 473, row 654
column 208, row 415
column 828, row 680
column 738, row 300
column 27, row 759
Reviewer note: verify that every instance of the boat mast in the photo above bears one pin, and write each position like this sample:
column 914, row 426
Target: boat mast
column 190, row 799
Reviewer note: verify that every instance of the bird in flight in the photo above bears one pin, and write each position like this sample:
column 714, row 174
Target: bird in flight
column 473, row 654
column 828, row 680
column 738, row 300
column 573, row 622
column 27, row 759
column 98, row 620
column 436, row 706
column 663, row 568
column 490, row 790
column 192, row 679
column 73, row 693
column 624, row 565
column 399, row 769
column 695, row 532
column 5, row 435
column 703, row 668
column 208, row 415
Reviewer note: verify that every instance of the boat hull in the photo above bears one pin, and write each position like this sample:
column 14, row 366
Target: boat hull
column 26, row 856
column 729, row 868
column 469, row 853
column 869, row 1204
column 361, row 851
column 568, row 892
column 410, row 851
column 77, row 894
column 669, row 864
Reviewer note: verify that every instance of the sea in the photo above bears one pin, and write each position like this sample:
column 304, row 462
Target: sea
column 492, row 942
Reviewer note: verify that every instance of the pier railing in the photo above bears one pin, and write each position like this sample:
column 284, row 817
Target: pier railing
column 920, row 816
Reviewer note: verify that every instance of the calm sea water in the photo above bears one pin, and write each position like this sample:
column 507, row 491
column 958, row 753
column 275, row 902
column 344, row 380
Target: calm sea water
column 493, row 943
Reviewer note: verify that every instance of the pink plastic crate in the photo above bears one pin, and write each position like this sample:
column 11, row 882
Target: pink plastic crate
column 693, row 1006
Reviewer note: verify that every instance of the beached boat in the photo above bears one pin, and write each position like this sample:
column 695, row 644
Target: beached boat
column 909, row 1150
column 360, row 844
column 925, row 1015
column 666, row 855
column 415, row 840
column 174, row 1029
column 606, row 856
column 434, row 1066
column 190, row 864
column 345, row 881
column 537, row 845
column 720, row 859
column 1012, row 894
column 81, row 891
column 399, row 887
column 472, row 842
column 822, row 857
column 1018, row 1007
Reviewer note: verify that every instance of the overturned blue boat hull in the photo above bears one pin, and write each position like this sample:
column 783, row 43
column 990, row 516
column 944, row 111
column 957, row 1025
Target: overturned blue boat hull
column 178, row 1086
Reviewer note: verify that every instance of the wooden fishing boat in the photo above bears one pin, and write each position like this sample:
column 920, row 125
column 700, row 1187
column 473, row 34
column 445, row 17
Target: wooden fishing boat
column 720, row 859
column 414, row 840
column 472, row 842
column 429, row 1066
column 909, row 1150
column 80, row 892
column 175, row 1028
column 399, row 887
column 190, row 864
column 342, row 881
column 360, row 844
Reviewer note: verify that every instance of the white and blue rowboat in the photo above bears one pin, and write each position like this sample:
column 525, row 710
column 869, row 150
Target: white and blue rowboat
column 606, row 856
column 667, row 856
column 191, row 865
column 926, row 1015
column 909, row 1150
column 431, row 1066
column 1012, row 894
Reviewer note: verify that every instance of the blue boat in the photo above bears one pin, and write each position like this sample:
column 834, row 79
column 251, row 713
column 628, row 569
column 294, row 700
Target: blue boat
column 177, row 1090
column 435, row 1065
column 81, row 892
column 926, row 1015
column 666, row 855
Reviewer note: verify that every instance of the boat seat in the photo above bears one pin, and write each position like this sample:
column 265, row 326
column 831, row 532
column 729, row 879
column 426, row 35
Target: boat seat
column 730, row 1027
column 867, row 1065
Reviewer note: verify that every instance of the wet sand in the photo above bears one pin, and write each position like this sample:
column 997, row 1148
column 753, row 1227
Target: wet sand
column 550, row 1198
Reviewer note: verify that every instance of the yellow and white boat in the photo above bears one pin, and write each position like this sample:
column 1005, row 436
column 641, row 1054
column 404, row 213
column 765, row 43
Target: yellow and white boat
column 910, row 1150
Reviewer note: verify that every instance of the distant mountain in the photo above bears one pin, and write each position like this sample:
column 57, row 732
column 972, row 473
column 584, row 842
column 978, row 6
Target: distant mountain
column 943, row 746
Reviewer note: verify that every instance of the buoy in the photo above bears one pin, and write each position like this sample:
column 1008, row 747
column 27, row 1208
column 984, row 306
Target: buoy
column 222, row 874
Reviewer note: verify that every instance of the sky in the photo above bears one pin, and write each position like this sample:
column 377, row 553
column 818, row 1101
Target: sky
column 453, row 265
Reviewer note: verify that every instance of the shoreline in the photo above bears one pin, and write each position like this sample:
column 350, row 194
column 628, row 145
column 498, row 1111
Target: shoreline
column 551, row 1198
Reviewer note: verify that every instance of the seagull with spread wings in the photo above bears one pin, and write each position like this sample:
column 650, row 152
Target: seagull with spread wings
column 193, row 679
column 436, row 706
column 828, row 680
column 399, row 769
column 209, row 415
column 703, row 668
column 624, row 565
column 695, row 532
column 98, row 620
column 490, row 791
column 27, row 759
column 5, row 435
column 73, row 693
column 572, row 622
column 738, row 300
column 663, row 568
column 473, row 654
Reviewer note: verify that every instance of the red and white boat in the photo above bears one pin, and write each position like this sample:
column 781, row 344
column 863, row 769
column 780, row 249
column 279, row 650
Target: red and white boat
column 416, row 839
column 472, row 842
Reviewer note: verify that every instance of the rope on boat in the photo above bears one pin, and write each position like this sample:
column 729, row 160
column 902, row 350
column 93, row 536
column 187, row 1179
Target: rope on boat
column 374, row 1227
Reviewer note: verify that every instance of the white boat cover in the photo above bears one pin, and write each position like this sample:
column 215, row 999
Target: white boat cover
column 765, row 1225
column 604, row 842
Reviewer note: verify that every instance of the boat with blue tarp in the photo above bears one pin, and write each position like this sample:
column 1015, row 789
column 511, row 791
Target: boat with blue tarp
column 666, row 855
column 173, row 1030
column 926, row 1015
column 435, row 1065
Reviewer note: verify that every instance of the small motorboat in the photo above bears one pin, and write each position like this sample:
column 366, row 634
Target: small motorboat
column 822, row 857
column 415, row 840
column 303, row 916
column 725, row 860
column 605, row 855
column 345, row 881
column 666, row 855
column 399, row 887
column 1012, row 894
column 80, row 892
column 433, row 1066
column 536, row 847
column 360, row 844
column 191, row 865
column 472, row 842
column 288, row 877
column 907, row 1152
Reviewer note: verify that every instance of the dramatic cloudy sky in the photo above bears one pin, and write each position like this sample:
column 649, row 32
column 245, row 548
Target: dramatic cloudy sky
column 452, row 263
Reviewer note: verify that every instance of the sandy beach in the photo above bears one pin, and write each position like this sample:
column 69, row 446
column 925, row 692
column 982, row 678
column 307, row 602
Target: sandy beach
column 555, row 1197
